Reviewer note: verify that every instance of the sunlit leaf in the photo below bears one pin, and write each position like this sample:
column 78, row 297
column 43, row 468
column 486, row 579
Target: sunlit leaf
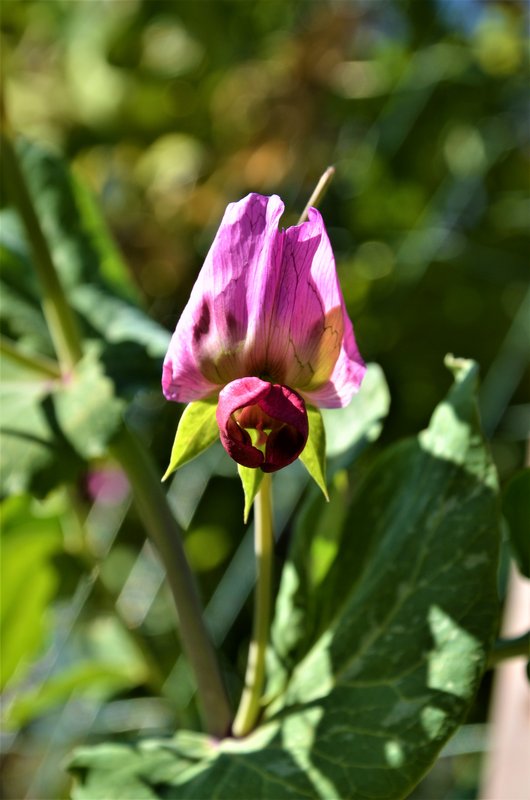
column 250, row 481
column 29, row 580
column 313, row 456
column 197, row 430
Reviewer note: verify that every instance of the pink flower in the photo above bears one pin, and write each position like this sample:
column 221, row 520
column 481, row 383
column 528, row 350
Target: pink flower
column 266, row 330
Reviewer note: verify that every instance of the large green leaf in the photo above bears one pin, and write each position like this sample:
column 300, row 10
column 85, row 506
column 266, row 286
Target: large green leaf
column 367, row 709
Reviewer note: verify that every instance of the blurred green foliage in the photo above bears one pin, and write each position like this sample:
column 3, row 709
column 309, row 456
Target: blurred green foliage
column 168, row 111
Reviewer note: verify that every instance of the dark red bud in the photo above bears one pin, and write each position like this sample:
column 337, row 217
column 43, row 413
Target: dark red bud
column 276, row 413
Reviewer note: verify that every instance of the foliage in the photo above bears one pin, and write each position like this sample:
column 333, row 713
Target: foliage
column 386, row 604
column 393, row 661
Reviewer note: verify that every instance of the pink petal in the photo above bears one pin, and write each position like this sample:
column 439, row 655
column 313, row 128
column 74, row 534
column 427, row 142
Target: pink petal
column 346, row 378
column 310, row 332
column 224, row 314
column 266, row 303
column 275, row 412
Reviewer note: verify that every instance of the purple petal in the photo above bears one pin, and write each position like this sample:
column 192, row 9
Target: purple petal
column 310, row 330
column 277, row 415
column 224, row 314
column 266, row 303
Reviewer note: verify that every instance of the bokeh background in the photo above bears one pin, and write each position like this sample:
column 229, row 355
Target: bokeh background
column 170, row 110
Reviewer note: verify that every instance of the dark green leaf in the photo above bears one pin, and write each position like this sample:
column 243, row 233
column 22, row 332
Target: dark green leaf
column 197, row 430
column 313, row 456
column 516, row 510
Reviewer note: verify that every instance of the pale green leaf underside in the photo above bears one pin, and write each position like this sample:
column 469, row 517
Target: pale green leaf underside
column 313, row 456
column 410, row 617
column 251, row 481
column 196, row 431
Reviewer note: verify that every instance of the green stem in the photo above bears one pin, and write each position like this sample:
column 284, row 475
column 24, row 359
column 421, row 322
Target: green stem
column 318, row 193
column 61, row 321
column 38, row 363
column 509, row 648
column 156, row 515
column 249, row 706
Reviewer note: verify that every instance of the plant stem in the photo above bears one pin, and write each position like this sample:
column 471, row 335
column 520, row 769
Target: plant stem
column 318, row 193
column 38, row 363
column 61, row 321
column 249, row 705
column 509, row 648
column 153, row 508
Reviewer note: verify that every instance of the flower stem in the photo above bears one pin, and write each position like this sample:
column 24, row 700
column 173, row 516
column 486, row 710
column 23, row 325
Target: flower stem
column 249, row 705
column 318, row 193
column 38, row 363
column 509, row 648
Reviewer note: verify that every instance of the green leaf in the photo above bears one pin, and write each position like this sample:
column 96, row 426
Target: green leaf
column 197, row 430
column 88, row 412
column 34, row 454
column 31, row 536
column 96, row 281
column 516, row 511
column 369, row 706
column 50, row 425
column 313, row 456
column 90, row 679
column 251, row 481
column 82, row 250
column 304, row 589
column 349, row 429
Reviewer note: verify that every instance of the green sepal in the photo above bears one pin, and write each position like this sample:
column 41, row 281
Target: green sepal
column 196, row 431
column 251, row 481
column 313, row 456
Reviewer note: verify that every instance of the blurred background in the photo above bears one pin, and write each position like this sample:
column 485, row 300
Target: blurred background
column 170, row 110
